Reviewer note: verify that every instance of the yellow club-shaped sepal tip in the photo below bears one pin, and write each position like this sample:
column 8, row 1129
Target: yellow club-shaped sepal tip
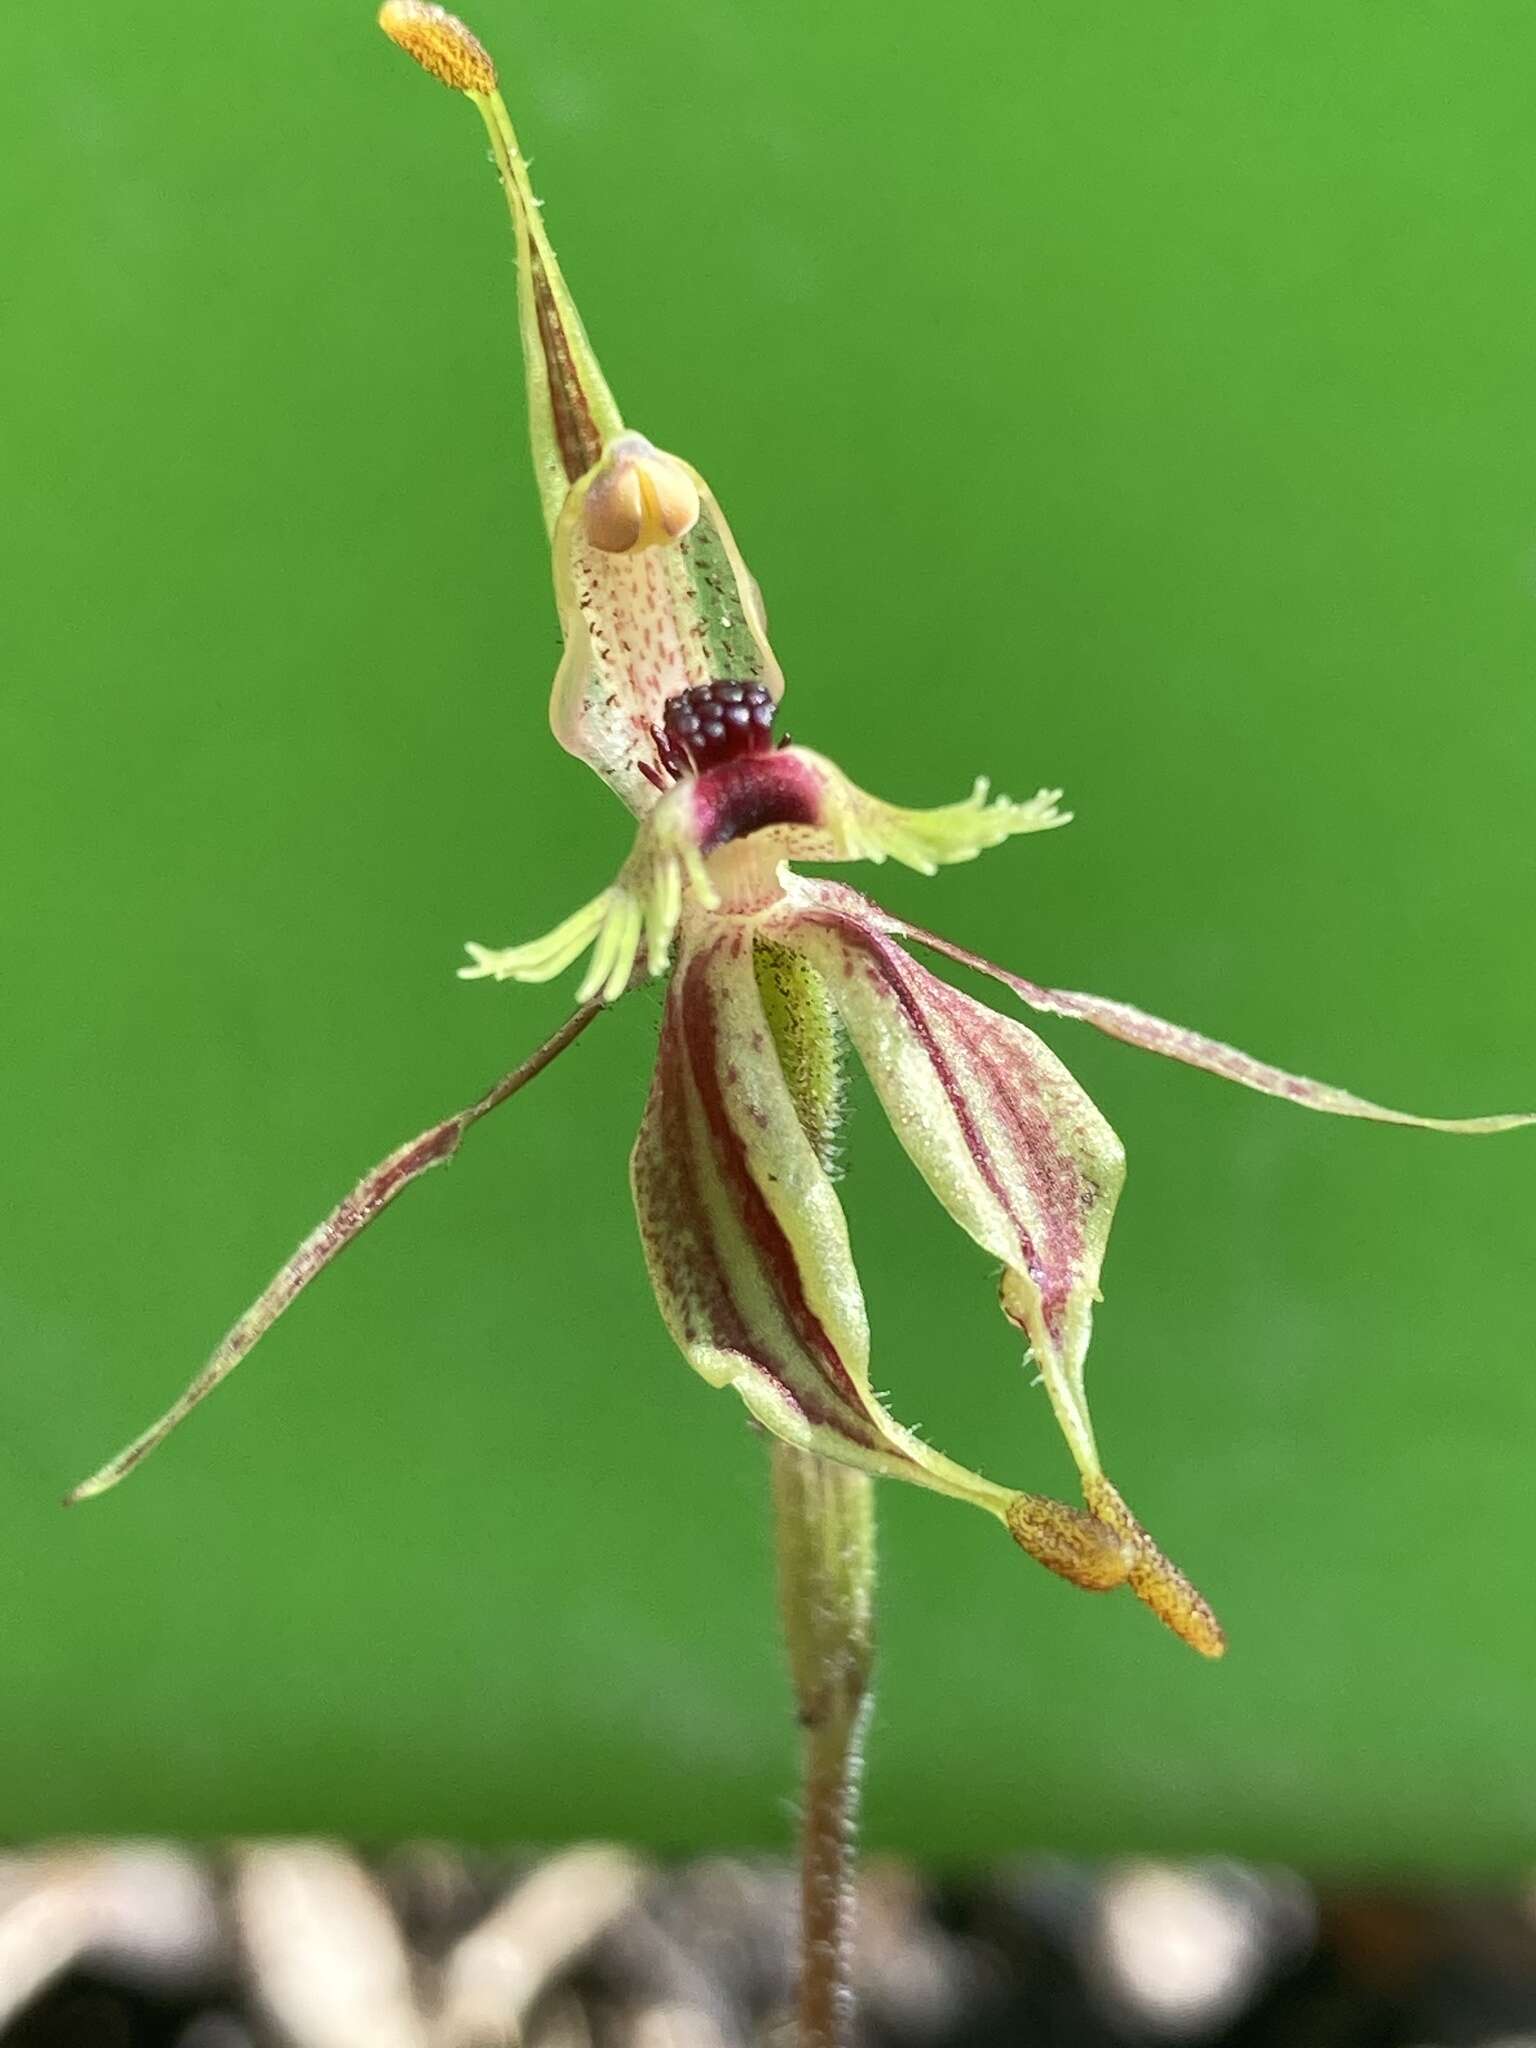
column 440, row 43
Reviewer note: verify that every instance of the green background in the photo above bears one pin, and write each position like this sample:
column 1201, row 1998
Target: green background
column 1138, row 397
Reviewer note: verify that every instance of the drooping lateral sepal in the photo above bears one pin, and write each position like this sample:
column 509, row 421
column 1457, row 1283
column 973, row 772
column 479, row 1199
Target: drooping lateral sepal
column 1006, row 1139
column 1022, row 1160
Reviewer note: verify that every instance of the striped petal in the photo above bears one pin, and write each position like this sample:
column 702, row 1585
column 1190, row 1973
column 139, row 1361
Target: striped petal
column 1017, row 1154
column 748, row 1254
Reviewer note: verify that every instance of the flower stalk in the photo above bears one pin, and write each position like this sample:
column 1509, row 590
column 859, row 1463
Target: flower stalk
column 824, row 1529
column 824, row 1519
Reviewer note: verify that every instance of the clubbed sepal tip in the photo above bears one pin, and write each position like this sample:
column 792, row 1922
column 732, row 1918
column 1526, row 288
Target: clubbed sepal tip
column 1104, row 1546
column 440, row 43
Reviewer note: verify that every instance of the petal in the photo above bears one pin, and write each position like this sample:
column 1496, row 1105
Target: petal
column 543, row 958
column 638, row 912
column 748, row 1253
column 1152, row 1034
column 1017, row 1154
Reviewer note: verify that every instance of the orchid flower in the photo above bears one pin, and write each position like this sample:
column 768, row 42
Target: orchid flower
column 669, row 690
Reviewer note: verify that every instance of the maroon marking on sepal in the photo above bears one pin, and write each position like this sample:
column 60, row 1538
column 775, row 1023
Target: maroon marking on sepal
column 683, row 1230
column 887, row 962
column 580, row 443
column 1028, row 1130
column 678, row 1188
column 758, row 1220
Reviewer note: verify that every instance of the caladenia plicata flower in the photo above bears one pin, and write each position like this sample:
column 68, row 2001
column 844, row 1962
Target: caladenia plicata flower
column 670, row 690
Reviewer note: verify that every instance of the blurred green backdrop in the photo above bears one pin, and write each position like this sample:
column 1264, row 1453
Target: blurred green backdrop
column 1139, row 397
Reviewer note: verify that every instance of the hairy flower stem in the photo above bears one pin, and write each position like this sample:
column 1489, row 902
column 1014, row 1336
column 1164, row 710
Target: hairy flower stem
column 826, row 1542
column 824, row 1517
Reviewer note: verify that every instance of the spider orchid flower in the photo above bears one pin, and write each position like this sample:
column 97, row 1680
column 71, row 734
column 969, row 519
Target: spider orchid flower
column 669, row 689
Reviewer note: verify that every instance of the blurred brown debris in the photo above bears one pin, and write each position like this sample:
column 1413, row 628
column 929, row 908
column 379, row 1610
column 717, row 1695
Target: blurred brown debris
column 309, row 1944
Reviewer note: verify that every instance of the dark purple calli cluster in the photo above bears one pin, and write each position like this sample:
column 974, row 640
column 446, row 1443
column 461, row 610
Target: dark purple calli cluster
column 709, row 725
